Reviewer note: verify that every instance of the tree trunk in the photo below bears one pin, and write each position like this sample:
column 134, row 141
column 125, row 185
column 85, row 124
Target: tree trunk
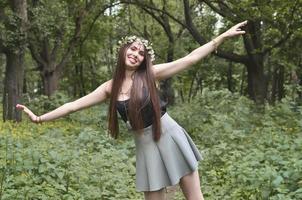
column 14, row 72
column 46, row 51
column 299, row 79
column 180, row 91
column 277, row 84
column 80, row 79
column 256, row 83
column 24, row 84
column 166, row 85
column 199, row 86
column 13, row 85
column 242, row 80
column 93, row 73
column 50, row 79
column 229, row 77
column 295, row 82
column 274, row 86
column 191, row 89
column 281, row 83
column 168, row 91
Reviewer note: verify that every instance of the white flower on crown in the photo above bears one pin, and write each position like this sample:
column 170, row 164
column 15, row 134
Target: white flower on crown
column 146, row 43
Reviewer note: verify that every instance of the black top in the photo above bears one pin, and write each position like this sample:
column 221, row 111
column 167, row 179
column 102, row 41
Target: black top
column 147, row 111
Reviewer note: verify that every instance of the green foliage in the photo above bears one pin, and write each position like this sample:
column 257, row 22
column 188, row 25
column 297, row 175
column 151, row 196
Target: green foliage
column 62, row 160
column 44, row 103
column 249, row 153
column 44, row 22
column 11, row 35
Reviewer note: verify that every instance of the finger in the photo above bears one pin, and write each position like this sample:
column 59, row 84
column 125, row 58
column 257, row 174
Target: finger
column 25, row 109
column 242, row 23
column 20, row 107
column 240, row 32
column 239, row 26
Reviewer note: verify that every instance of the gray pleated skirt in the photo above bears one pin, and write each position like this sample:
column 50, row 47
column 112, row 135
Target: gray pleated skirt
column 163, row 163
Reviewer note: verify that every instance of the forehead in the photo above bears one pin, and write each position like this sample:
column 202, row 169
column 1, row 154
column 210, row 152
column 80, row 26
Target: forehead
column 138, row 45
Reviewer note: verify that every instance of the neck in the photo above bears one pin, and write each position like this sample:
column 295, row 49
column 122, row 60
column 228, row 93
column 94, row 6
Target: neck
column 129, row 74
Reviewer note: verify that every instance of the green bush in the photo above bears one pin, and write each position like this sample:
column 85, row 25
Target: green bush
column 63, row 160
column 43, row 103
column 249, row 152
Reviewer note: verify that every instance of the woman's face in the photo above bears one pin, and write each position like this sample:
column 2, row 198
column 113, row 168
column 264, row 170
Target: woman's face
column 134, row 56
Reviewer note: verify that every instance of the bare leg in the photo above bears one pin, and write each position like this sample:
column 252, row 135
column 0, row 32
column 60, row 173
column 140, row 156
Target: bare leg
column 156, row 195
column 190, row 186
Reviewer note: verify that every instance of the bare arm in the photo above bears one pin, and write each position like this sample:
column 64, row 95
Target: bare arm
column 93, row 98
column 166, row 70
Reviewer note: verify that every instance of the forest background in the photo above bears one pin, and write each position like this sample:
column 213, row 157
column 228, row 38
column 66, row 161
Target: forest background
column 241, row 105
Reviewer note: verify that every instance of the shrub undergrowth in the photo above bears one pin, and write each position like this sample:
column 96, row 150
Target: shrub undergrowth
column 249, row 152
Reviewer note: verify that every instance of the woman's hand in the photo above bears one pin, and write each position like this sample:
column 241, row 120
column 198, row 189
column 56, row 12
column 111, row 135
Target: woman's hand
column 235, row 30
column 34, row 118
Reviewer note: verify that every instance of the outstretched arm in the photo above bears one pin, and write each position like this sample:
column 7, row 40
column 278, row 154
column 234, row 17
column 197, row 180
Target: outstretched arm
column 93, row 98
column 166, row 70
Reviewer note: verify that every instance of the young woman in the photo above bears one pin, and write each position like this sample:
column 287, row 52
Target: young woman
column 165, row 153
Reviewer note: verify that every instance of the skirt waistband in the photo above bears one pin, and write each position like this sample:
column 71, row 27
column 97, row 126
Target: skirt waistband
column 166, row 123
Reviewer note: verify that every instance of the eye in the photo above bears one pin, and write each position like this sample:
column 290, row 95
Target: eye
column 141, row 53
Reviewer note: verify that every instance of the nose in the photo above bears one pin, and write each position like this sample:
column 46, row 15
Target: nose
column 135, row 53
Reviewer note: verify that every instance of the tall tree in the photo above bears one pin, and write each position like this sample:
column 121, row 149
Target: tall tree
column 271, row 24
column 13, row 20
column 164, row 22
column 53, row 38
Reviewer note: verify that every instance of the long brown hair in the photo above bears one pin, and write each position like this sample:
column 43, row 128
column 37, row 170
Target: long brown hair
column 143, row 78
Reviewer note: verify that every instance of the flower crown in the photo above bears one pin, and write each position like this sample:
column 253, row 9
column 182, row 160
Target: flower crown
column 146, row 43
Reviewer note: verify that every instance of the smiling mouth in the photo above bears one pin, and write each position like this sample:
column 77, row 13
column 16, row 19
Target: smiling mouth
column 132, row 60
